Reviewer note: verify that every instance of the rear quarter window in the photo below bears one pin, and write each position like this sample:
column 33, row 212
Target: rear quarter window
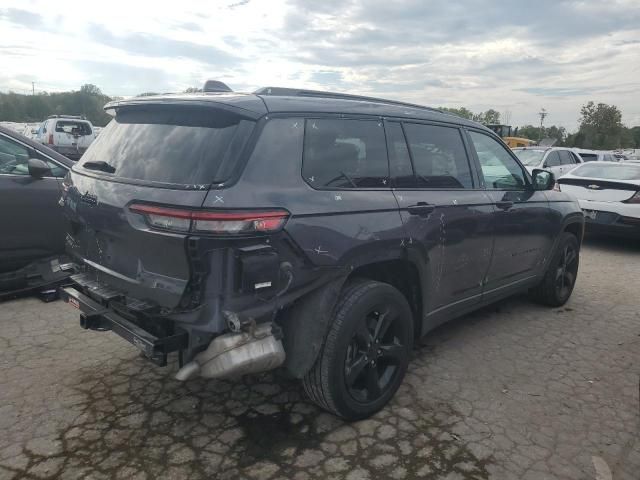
column 345, row 153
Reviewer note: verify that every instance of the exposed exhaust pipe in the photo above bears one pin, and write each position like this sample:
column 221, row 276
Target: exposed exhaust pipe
column 236, row 354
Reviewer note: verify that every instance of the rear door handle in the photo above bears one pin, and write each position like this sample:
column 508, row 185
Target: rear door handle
column 504, row 205
column 421, row 209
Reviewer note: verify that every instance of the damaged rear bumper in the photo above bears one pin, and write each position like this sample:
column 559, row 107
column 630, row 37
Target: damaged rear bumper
column 94, row 316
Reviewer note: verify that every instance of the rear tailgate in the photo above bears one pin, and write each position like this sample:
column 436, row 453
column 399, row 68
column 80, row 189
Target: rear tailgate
column 118, row 246
column 158, row 157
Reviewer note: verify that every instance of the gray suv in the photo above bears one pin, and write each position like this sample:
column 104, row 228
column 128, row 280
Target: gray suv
column 317, row 232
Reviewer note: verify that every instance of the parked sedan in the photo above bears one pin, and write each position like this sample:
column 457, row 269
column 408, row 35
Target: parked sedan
column 609, row 195
column 557, row 160
column 32, row 239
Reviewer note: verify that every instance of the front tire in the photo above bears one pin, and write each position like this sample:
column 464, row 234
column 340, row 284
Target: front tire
column 366, row 353
column 560, row 277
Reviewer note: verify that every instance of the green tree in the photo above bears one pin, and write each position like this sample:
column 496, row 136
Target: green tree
column 601, row 126
column 489, row 117
column 90, row 89
column 460, row 112
column 88, row 101
column 536, row 133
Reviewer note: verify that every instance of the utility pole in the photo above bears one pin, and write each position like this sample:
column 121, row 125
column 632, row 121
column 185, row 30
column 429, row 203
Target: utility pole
column 543, row 114
column 33, row 88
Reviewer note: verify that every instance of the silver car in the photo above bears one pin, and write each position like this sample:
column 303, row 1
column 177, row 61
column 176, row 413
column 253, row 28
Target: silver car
column 557, row 160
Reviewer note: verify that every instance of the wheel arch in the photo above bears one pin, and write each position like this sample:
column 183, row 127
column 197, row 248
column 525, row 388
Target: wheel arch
column 306, row 322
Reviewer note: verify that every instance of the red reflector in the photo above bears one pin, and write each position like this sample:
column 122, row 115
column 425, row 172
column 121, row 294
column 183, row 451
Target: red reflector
column 212, row 221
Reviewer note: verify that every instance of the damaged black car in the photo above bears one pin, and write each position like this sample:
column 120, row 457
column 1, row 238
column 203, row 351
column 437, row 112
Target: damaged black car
column 32, row 246
column 317, row 232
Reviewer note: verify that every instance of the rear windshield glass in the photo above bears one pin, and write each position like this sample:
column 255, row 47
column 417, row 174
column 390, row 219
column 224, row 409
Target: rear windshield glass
column 177, row 145
column 530, row 158
column 589, row 157
column 608, row 172
column 76, row 128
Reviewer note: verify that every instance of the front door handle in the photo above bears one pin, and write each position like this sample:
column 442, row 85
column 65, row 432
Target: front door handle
column 421, row 209
column 504, row 205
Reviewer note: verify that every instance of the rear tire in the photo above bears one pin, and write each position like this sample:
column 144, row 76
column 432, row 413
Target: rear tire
column 560, row 278
column 366, row 353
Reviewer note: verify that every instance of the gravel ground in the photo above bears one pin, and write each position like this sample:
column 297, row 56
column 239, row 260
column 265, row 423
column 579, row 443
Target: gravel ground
column 513, row 391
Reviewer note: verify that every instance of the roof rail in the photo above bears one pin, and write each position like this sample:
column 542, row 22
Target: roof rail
column 298, row 92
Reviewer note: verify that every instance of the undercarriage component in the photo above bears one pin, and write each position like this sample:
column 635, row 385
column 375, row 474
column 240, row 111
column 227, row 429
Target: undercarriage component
column 236, row 354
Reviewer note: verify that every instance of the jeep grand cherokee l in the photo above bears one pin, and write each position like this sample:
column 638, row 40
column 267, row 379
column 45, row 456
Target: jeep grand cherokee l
column 318, row 232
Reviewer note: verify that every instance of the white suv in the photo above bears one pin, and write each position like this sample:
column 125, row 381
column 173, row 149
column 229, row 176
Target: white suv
column 66, row 134
column 557, row 160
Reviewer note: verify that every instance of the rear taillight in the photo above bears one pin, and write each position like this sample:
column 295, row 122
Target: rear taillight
column 634, row 199
column 51, row 139
column 212, row 221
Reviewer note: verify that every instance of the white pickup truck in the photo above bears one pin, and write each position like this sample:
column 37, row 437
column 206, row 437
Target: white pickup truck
column 66, row 134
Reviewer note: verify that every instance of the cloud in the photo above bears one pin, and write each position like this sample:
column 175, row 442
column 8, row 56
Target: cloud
column 21, row 17
column 130, row 77
column 518, row 56
column 150, row 45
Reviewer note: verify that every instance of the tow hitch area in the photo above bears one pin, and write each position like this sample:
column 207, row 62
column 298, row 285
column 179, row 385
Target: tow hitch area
column 94, row 316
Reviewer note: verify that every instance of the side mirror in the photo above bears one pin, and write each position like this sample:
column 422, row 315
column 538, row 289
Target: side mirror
column 543, row 179
column 38, row 168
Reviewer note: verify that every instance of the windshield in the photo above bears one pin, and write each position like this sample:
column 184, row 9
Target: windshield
column 609, row 172
column 178, row 145
column 530, row 158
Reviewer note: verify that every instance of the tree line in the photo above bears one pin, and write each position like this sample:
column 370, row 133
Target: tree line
column 601, row 126
column 88, row 101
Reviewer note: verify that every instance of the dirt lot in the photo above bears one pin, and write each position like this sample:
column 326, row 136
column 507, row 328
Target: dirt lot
column 513, row 391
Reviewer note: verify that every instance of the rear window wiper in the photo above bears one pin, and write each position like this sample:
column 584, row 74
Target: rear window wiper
column 101, row 165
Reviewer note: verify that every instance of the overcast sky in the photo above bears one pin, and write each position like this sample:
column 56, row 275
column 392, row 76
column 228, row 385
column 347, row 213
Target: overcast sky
column 517, row 56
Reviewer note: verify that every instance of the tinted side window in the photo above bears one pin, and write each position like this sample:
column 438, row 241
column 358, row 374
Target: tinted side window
column 552, row 160
column 499, row 168
column 13, row 158
column 439, row 156
column 56, row 170
column 566, row 158
column 342, row 153
column 399, row 159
